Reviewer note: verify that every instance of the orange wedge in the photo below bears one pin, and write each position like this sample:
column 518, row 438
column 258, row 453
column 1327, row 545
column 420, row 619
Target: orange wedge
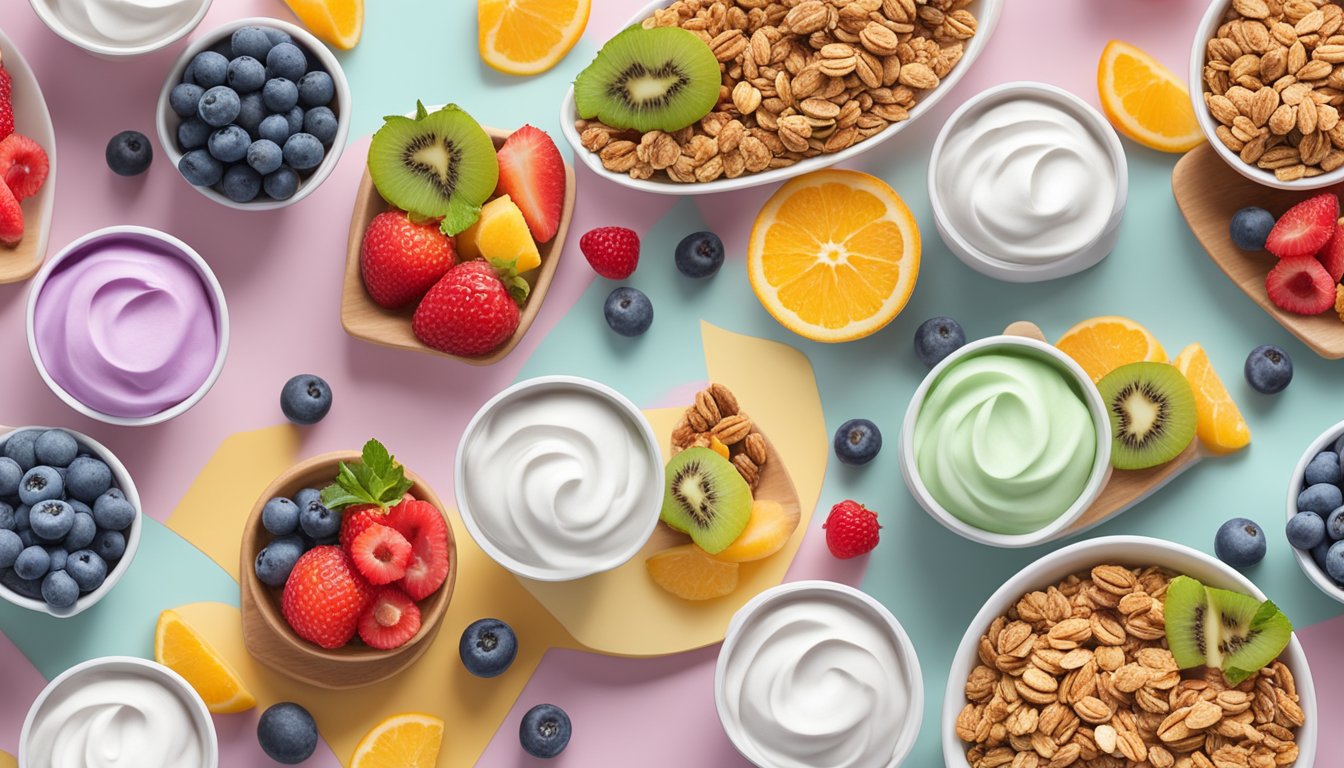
column 411, row 740
column 179, row 647
column 834, row 255
column 337, row 23
column 1219, row 423
column 1146, row 101
column 1102, row 344
column 687, row 572
column 527, row 37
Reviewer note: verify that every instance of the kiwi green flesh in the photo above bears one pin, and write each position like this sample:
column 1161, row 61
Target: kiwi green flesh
column 440, row 166
column 1221, row 629
column 1152, row 412
column 706, row 498
column 660, row 79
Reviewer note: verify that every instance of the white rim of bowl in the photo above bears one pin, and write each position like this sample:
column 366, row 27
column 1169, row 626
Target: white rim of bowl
column 181, row 249
column 56, row 24
column 200, row 715
column 1090, row 254
column 1101, row 463
column 164, row 112
column 1313, row 572
column 987, row 20
column 1035, row 576
column 628, row 409
column 914, row 678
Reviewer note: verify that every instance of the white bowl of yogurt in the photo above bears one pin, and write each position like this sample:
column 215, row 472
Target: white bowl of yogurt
column 559, row 478
column 1006, row 442
column 1028, row 183
column 818, row 673
column 118, row 712
column 118, row 28
column 128, row 325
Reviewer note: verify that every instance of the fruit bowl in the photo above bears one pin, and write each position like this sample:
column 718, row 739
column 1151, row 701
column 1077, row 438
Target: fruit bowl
column 269, row 638
column 364, row 319
column 31, row 119
column 1314, row 572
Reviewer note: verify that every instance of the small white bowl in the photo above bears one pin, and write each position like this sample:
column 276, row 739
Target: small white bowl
column 854, row 600
column 56, row 23
column 1013, row 272
column 1101, row 463
column 1131, row 551
column 81, row 674
column 1314, row 573
column 166, row 120
column 121, row 478
column 187, row 254
column 987, row 17
column 650, row 504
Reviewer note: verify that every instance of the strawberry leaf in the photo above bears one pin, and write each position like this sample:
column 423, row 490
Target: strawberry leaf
column 517, row 287
column 376, row 479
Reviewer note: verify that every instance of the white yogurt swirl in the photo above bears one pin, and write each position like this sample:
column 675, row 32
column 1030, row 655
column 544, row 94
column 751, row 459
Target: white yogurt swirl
column 816, row 681
column 1025, row 181
column 125, row 22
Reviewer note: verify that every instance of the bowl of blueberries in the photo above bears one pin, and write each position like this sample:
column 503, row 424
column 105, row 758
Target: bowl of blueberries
column 1315, row 507
column 255, row 114
column 69, row 520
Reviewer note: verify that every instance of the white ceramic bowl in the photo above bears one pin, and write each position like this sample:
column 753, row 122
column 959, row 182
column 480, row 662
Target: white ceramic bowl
column 1101, row 464
column 859, row 602
column 1083, row 556
column 990, row 264
column 57, row 23
column 187, row 254
column 987, row 17
column 80, row 674
column 166, row 120
column 1314, row 573
column 1208, row 26
column 121, row 478
column 650, row 504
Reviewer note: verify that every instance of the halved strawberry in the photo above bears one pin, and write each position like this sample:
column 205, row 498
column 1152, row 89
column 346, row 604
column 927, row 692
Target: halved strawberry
column 390, row 621
column 1299, row 284
column 1304, row 228
column 1332, row 255
column 423, row 525
column 357, row 518
column 11, row 217
column 532, row 174
column 23, row 165
column 380, row 554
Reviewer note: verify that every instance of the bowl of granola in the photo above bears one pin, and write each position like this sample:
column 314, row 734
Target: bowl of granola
column 1069, row 663
column 804, row 85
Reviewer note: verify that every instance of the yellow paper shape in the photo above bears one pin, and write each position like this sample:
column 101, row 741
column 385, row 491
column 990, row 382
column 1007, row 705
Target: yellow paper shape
column 7, row 760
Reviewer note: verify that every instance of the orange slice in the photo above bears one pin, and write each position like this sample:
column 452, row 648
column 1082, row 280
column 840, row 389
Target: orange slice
column 1146, row 101
column 337, row 23
column 181, row 649
column 527, row 37
column 1219, row 423
column 411, row 740
column 1102, row 344
column 834, row 255
column 687, row 572
column 766, row 533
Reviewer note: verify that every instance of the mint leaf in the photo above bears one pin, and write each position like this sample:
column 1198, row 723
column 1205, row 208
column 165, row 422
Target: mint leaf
column 376, row 479
column 376, row 457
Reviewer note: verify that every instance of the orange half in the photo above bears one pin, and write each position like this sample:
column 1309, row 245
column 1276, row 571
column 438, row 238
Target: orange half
column 1101, row 344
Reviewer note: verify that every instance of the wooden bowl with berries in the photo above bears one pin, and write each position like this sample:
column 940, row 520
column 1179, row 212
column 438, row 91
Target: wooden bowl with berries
column 348, row 564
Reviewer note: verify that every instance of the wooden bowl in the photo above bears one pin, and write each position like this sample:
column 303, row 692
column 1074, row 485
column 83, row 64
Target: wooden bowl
column 270, row 640
column 31, row 119
column 364, row 319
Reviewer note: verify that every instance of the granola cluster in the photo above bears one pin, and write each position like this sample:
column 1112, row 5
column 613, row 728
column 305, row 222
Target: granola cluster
column 716, row 421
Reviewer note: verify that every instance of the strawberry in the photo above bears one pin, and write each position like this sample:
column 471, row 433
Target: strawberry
column 851, row 530
column 1305, row 227
column 1332, row 255
column 613, row 252
column 390, row 621
column 11, row 217
column 380, row 554
column 357, row 518
column 23, row 165
column 423, row 525
column 469, row 312
column 532, row 174
column 1299, row 284
column 400, row 259
column 6, row 106
column 324, row 597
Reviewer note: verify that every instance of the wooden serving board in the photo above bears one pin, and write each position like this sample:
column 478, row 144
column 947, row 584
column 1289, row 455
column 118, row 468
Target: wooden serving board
column 31, row 119
column 1208, row 193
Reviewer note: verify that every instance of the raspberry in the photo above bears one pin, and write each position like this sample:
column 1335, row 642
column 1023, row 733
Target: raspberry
column 851, row 530
column 613, row 252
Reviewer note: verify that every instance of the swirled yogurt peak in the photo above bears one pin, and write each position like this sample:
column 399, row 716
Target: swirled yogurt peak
column 124, row 22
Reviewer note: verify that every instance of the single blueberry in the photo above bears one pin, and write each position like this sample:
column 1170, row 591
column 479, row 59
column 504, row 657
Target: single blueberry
column 279, row 94
column 200, row 169
column 316, row 89
column 32, row 563
column 51, row 519
column 82, row 530
column 287, row 732
column 29, row 588
column 59, row 590
column 1323, row 468
column 282, row 184
column 6, row 517
column 305, row 399
column 246, row 75
column 56, row 448
column 274, row 128
column 294, row 118
column 303, row 151
column 287, row 61
column 628, row 311
column 1334, row 561
column 319, row 522
column 184, row 98
column 699, row 254
column 112, row 513
column 857, row 441
column 193, row 133
column 229, row 144
column 87, row 569
column 219, row 106
column 114, row 493
column 280, row 516
column 58, row 557
column 936, row 338
column 1321, row 498
column 277, row 559
column 10, row 475
column 545, row 731
column 110, row 545
column 1334, row 524
column 241, row 184
column 209, row 69
column 266, row 157
column 250, row 41
column 41, row 483
column 1268, row 369
column 129, row 153
column 88, row 479
column 1240, row 543
column 26, row 536
column 10, row 547
column 1305, row 530
column 1250, row 228
column 321, row 123
column 251, row 111
column 487, row 647
column 22, row 517
column 277, row 36
column 307, row 496
column 20, row 448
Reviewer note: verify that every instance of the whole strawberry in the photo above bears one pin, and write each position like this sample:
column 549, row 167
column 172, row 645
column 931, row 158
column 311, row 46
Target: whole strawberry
column 851, row 530
column 400, row 259
column 325, row 597
column 469, row 312
column 6, row 106
column 612, row 251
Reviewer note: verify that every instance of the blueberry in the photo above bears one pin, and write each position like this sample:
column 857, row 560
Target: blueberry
column 305, row 399
column 246, row 75
column 1334, row 524
column 250, row 41
column 241, row 184
column 26, row 536
column 321, row 123
column 58, row 557
column 487, row 647
column 1250, row 228
column 303, row 151
column 6, row 517
column 219, row 106
column 936, row 338
column 628, row 311
column 10, row 547
column 251, row 111
column 319, row 522
column 10, row 475
column 1240, row 543
column 1319, row 552
column 282, row 184
column 88, row 479
column 277, row 36
column 200, row 169
column 20, row 448
column 193, row 133
column 287, row 61
column 545, row 731
column 30, row 588
column 274, row 128
column 229, row 144
column 277, row 559
column 294, row 118
column 82, row 530
column 32, row 563
column 22, row 518
column 280, row 516
column 1305, row 530
column 265, row 157
column 184, row 97
column 87, row 569
column 39, row 484
column 1323, row 468
column 112, row 513
column 52, row 519
column 307, row 496
column 857, row 441
column 1268, row 369
column 279, row 94
column 209, row 69
column 287, row 733
column 110, row 545
column 1334, row 561
column 1321, row 498
column 699, row 254
column 129, row 153
column 316, row 89
column 56, row 448
column 59, row 589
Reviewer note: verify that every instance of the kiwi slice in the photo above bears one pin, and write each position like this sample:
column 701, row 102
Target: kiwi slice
column 1152, row 412
column 660, row 79
column 1222, row 629
column 707, row 498
column 437, row 165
